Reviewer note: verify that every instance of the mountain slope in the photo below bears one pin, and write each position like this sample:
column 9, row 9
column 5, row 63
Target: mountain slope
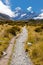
column 40, row 16
column 4, row 16
column 23, row 15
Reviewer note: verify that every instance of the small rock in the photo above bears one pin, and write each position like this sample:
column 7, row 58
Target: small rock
column 29, row 43
column 4, row 53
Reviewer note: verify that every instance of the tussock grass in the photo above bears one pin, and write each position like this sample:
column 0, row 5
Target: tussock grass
column 35, row 51
column 6, row 33
column 4, row 42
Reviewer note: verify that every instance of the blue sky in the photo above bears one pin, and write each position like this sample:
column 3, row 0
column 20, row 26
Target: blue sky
column 8, row 6
column 36, row 5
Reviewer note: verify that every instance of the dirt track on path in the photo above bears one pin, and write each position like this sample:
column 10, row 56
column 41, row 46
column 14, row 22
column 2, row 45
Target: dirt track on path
column 19, row 56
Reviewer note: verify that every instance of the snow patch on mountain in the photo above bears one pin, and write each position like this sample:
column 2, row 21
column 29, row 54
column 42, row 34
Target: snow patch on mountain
column 22, row 15
column 40, row 16
column 17, row 9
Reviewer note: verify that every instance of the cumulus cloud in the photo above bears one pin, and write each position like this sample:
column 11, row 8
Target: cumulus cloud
column 5, row 9
column 30, row 9
column 18, row 8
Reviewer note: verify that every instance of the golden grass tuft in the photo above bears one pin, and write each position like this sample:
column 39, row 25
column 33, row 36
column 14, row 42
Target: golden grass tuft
column 35, row 51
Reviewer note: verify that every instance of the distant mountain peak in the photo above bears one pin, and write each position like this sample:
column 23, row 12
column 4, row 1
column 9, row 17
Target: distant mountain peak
column 4, row 16
column 23, row 15
column 40, row 16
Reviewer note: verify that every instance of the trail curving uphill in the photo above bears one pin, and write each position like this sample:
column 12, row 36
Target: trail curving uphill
column 19, row 56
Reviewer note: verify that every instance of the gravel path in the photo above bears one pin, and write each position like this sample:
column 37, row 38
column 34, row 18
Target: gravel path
column 4, row 60
column 19, row 56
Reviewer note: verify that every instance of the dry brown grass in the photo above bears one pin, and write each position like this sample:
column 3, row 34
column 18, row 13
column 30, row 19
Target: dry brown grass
column 5, row 36
column 35, row 51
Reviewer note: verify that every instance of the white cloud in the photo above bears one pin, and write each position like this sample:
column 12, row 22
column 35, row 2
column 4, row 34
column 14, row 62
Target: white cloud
column 23, row 15
column 5, row 9
column 7, row 2
column 18, row 8
column 29, row 8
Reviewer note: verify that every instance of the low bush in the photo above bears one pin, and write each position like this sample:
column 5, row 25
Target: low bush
column 38, row 30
